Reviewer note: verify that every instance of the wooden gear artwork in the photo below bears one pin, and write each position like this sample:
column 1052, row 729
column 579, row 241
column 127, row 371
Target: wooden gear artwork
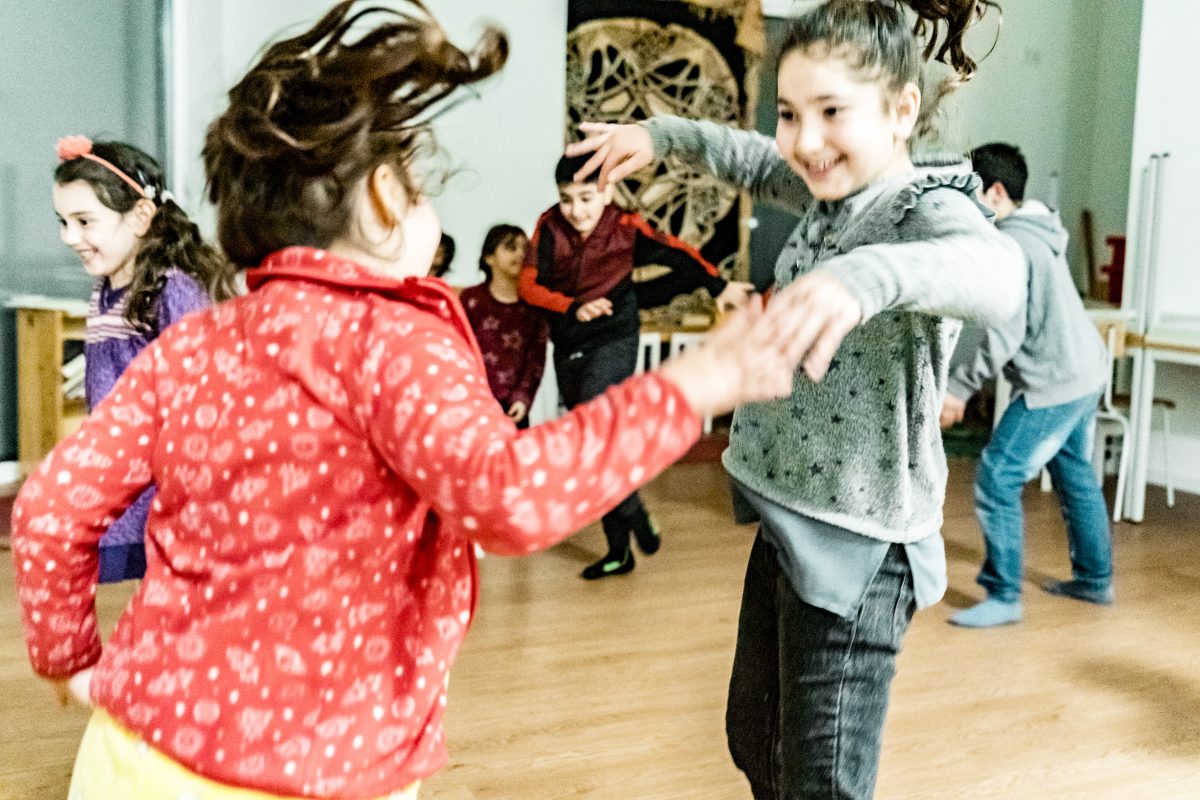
column 627, row 68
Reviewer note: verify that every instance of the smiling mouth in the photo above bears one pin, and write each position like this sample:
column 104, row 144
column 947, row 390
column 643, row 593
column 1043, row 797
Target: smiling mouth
column 819, row 169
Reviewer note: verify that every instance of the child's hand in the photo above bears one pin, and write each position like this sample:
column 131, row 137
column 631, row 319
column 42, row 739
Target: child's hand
column 620, row 151
column 735, row 295
column 73, row 689
column 516, row 412
column 594, row 309
column 953, row 411
column 811, row 317
column 740, row 361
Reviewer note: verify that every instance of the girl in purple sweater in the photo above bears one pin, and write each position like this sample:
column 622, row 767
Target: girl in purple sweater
column 151, row 267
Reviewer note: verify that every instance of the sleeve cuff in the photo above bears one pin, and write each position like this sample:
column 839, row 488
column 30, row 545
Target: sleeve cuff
column 860, row 282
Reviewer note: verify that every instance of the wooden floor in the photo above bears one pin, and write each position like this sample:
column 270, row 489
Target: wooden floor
column 615, row 690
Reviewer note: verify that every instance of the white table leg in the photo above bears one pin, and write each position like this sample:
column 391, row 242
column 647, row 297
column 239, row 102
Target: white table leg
column 1141, row 402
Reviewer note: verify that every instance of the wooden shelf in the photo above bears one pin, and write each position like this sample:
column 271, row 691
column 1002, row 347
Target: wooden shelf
column 44, row 416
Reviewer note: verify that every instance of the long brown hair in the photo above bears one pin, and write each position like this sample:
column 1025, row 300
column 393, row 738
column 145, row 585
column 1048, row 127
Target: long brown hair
column 874, row 35
column 319, row 111
column 172, row 241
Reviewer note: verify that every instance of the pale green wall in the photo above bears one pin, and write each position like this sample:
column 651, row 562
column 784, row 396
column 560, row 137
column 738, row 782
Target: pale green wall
column 65, row 67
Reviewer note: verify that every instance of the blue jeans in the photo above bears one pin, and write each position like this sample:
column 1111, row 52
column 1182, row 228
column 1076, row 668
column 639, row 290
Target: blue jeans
column 809, row 690
column 1027, row 439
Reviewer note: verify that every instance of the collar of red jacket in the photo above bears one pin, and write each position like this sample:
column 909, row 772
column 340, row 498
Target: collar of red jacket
column 320, row 266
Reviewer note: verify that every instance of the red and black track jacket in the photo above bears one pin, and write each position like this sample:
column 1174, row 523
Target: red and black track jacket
column 562, row 271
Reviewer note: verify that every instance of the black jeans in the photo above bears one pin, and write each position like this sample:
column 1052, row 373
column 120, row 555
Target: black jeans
column 583, row 374
column 809, row 691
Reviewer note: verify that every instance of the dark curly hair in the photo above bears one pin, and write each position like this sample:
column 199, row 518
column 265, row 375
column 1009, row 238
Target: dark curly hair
column 318, row 112
column 172, row 242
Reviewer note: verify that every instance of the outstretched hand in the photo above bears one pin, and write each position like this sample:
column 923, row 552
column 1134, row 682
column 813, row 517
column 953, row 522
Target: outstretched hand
column 741, row 361
column 812, row 316
column 619, row 151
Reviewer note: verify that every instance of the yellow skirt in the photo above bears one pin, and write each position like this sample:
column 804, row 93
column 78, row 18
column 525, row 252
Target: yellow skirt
column 113, row 762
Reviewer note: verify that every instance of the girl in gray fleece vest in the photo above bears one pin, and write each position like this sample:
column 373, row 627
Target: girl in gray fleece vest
column 848, row 474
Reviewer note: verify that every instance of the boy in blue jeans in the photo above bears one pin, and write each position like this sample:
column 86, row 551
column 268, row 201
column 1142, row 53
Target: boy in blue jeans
column 1056, row 362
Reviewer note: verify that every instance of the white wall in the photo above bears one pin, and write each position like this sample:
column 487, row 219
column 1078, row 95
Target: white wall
column 1168, row 120
column 1060, row 85
column 504, row 143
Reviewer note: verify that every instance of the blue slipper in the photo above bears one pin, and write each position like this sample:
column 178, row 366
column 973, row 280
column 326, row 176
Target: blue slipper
column 988, row 614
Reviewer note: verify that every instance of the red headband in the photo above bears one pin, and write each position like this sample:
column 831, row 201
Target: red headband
column 72, row 147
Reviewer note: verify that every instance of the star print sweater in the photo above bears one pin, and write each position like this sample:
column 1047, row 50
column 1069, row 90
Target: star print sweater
column 512, row 338
column 862, row 449
column 326, row 450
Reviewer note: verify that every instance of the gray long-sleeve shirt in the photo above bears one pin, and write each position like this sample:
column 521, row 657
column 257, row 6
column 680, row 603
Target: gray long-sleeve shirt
column 1049, row 350
column 862, row 449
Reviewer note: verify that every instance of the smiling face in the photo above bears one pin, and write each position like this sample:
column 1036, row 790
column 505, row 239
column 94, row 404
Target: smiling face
column 582, row 204
column 105, row 240
column 838, row 131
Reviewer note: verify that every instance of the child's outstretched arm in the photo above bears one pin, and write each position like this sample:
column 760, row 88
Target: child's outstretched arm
column 744, row 159
column 426, row 406
column 689, row 269
column 960, row 267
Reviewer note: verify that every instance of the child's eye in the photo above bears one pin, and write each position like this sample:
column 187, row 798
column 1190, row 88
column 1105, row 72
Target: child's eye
column 786, row 115
column 832, row 111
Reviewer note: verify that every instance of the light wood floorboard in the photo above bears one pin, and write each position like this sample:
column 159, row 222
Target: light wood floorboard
column 615, row 690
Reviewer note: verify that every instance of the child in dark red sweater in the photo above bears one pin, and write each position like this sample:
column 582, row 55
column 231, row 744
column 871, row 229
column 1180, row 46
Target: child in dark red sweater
column 579, row 270
column 511, row 333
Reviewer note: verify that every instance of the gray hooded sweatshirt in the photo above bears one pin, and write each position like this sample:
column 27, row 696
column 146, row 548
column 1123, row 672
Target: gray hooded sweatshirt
column 1050, row 351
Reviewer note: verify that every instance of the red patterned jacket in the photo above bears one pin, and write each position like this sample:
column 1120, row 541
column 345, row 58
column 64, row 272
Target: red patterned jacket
column 325, row 449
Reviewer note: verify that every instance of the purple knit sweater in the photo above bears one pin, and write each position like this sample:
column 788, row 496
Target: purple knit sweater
column 111, row 344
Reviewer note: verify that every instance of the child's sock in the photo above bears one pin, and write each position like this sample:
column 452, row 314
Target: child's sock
column 646, row 533
column 988, row 614
column 611, row 564
column 1081, row 591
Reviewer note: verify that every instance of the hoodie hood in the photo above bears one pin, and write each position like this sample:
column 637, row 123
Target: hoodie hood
column 1034, row 218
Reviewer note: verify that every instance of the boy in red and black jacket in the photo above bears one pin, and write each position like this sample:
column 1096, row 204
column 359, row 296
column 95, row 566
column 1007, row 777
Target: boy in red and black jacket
column 579, row 270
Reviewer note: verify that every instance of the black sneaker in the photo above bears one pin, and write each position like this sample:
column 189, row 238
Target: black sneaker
column 608, row 566
column 647, row 535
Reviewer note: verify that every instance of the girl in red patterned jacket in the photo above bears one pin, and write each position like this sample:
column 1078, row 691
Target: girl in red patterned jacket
column 326, row 450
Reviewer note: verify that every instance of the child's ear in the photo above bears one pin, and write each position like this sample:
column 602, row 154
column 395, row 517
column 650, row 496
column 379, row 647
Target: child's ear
column 907, row 109
column 996, row 193
column 609, row 192
column 385, row 195
column 142, row 214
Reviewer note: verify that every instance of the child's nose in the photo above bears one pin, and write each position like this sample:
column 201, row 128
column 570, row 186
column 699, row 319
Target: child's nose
column 809, row 141
column 69, row 235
